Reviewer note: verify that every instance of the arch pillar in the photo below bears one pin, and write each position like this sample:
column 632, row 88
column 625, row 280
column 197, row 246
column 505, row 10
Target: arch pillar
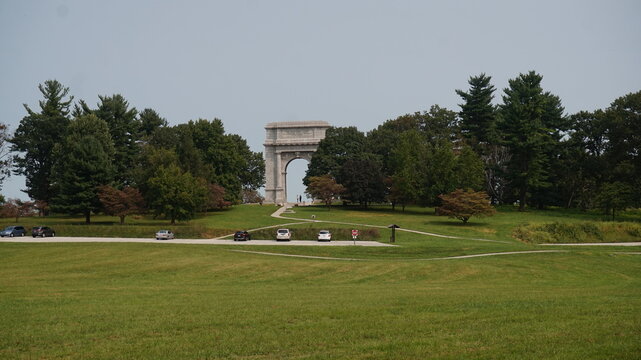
column 287, row 141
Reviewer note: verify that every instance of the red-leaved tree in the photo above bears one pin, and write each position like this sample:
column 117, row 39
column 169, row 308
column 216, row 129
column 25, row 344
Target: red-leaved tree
column 121, row 202
column 463, row 204
column 16, row 208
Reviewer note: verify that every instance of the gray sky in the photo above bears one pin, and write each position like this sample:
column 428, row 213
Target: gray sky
column 350, row 63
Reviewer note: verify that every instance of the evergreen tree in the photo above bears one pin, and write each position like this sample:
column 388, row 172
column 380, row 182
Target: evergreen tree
column 150, row 121
column 124, row 128
column 624, row 141
column 525, row 134
column 555, row 125
column 83, row 163
column 478, row 115
column 36, row 136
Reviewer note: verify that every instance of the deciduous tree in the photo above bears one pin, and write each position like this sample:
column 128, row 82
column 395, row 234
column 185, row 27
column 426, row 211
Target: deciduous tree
column 339, row 145
column 121, row 203
column 216, row 197
column 363, row 180
column 252, row 197
column 325, row 188
column 463, row 204
column 17, row 208
column 176, row 194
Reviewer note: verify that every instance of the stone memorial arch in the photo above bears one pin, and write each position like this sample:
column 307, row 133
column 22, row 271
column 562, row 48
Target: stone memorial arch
column 287, row 141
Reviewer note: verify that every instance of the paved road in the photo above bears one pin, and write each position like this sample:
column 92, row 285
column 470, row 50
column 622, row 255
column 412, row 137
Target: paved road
column 62, row 239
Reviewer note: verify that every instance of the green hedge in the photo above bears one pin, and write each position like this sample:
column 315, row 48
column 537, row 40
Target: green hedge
column 182, row 231
column 580, row 232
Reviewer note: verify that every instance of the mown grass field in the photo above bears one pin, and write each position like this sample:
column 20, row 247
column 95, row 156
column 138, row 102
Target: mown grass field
column 167, row 301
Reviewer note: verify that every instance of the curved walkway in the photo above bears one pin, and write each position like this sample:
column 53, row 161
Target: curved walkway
column 278, row 214
column 426, row 259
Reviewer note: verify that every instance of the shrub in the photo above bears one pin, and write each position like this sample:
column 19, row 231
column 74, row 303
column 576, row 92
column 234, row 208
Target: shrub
column 580, row 232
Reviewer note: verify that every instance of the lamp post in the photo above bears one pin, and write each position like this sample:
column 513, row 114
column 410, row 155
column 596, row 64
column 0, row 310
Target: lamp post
column 393, row 227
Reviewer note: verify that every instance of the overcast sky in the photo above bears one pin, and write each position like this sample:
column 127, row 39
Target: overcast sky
column 350, row 63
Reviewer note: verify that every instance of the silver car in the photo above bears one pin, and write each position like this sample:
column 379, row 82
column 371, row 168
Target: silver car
column 164, row 235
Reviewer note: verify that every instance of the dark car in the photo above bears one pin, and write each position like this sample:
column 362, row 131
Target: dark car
column 42, row 231
column 12, row 231
column 242, row 236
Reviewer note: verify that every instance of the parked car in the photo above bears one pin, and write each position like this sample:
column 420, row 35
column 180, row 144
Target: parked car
column 324, row 235
column 165, row 235
column 283, row 234
column 12, row 231
column 42, row 231
column 242, row 236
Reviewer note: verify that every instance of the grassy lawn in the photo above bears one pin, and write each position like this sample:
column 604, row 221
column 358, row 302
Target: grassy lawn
column 169, row 301
column 497, row 227
column 134, row 301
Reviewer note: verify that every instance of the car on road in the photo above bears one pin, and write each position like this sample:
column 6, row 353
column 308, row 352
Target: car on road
column 14, row 230
column 242, row 236
column 283, row 235
column 324, row 235
column 165, row 235
column 42, row 231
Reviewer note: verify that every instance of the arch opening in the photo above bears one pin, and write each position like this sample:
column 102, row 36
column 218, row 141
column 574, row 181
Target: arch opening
column 294, row 174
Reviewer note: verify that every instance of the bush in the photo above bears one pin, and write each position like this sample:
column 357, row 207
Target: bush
column 580, row 232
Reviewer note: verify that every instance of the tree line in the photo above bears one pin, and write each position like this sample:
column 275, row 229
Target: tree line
column 79, row 159
column 525, row 150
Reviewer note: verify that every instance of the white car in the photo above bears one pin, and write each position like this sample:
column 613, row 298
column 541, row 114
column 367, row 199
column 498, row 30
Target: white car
column 164, row 235
column 324, row 235
column 283, row 234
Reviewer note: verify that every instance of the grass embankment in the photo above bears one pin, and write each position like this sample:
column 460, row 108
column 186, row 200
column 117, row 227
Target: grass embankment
column 204, row 226
column 153, row 301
